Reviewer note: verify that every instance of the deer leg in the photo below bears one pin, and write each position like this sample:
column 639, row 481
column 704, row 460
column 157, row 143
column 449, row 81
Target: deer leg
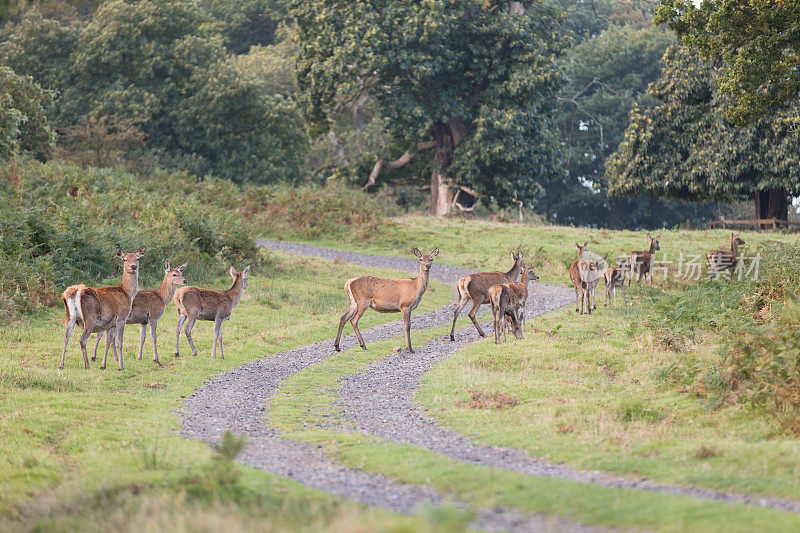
column 188, row 331
column 345, row 317
column 462, row 301
column 108, row 334
column 120, row 333
column 407, row 324
column 219, row 341
column 472, row 312
column 354, row 321
column 113, row 341
column 87, row 332
column 181, row 320
column 142, row 338
column 577, row 299
column 217, row 326
column 153, row 328
column 96, row 344
column 495, row 325
column 67, row 333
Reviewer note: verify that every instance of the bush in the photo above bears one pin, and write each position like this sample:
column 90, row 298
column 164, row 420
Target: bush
column 314, row 212
column 60, row 224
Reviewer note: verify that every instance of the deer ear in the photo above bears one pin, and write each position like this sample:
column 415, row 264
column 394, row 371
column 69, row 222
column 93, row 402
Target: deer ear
column 182, row 267
column 434, row 253
column 140, row 252
column 416, row 252
column 585, row 244
column 519, row 254
column 577, row 245
column 120, row 253
column 232, row 272
column 246, row 270
column 166, row 265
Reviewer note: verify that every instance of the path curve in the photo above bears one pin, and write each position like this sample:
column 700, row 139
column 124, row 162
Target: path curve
column 238, row 399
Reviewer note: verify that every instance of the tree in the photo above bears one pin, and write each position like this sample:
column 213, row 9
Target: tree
column 757, row 42
column 684, row 148
column 23, row 123
column 473, row 81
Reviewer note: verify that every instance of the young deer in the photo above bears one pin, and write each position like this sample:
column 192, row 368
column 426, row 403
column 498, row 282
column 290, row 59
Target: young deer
column 574, row 275
column 194, row 303
column 147, row 308
column 475, row 288
column 103, row 308
column 615, row 278
column 589, row 273
column 641, row 261
column 509, row 299
column 386, row 296
column 721, row 260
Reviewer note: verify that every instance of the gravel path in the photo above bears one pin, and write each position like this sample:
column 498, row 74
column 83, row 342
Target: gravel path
column 380, row 402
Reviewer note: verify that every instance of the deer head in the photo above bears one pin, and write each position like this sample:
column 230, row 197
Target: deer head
column 654, row 242
column 236, row 275
column 582, row 249
column 425, row 260
column 130, row 262
column 174, row 275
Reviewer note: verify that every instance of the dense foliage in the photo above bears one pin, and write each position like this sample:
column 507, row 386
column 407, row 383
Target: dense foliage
column 684, row 148
column 60, row 224
column 758, row 42
column 165, row 64
column 474, row 81
column 23, row 120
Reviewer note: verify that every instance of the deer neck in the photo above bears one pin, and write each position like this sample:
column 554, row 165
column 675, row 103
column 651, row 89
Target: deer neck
column 167, row 290
column 422, row 281
column 235, row 292
column 130, row 283
column 734, row 247
column 511, row 275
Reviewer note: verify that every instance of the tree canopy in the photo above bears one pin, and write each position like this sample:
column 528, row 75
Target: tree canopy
column 758, row 43
column 23, row 120
column 475, row 81
column 685, row 148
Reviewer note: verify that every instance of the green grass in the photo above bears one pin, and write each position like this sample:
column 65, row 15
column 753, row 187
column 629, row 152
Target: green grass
column 485, row 245
column 99, row 450
column 304, row 409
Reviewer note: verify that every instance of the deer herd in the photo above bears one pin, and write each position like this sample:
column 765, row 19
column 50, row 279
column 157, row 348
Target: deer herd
column 106, row 310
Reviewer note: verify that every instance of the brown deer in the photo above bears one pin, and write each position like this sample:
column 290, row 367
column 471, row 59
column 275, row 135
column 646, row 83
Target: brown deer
column 148, row 307
column 574, row 275
column 386, row 296
column 615, row 278
column 721, row 260
column 641, row 261
column 475, row 288
column 194, row 303
column 508, row 302
column 103, row 308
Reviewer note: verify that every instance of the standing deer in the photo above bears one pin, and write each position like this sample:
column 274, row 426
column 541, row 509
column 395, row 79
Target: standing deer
column 615, row 278
column 194, row 303
column 475, row 288
column 641, row 262
column 508, row 301
column 148, row 307
column 103, row 308
column 721, row 260
column 386, row 296
column 574, row 275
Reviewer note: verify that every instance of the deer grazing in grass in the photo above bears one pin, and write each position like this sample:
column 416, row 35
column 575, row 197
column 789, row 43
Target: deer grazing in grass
column 475, row 288
column 386, row 295
column 103, row 308
column 508, row 304
column 721, row 260
column 194, row 303
column 615, row 278
column 641, row 261
column 584, row 274
column 148, row 307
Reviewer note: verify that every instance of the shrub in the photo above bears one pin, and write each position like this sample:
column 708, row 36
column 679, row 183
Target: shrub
column 60, row 224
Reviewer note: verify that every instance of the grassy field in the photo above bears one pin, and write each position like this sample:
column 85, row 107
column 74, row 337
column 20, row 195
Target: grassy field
column 485, row 245
column 99, row 450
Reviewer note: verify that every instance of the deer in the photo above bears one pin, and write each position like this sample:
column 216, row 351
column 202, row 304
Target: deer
column 507, row 301
column 641, row 261
column 194, row 303
column 721, row 259
column 615, row 278
column 102, row 309
column 584, row 275
column 386, row 295
column 475, row 288
column 148, row 307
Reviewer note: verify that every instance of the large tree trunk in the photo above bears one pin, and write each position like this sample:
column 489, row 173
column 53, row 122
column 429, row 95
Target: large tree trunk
column 441, row 196
column 772, row 203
